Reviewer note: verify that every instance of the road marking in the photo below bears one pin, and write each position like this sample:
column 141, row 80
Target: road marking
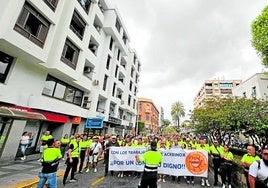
column 95, row 182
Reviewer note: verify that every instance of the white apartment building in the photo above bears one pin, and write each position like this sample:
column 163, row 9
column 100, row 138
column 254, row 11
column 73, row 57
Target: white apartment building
column 254, row 87
column 65, row 66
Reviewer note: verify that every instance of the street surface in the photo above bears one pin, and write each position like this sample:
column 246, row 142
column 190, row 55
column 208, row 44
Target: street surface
column 97, row 180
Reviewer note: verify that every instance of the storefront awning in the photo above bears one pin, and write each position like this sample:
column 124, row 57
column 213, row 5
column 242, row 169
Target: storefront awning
column 54, row 117
column 8, row 112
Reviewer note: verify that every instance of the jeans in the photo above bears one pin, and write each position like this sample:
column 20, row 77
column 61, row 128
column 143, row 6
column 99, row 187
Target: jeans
column 23, row 148
column 51, row 178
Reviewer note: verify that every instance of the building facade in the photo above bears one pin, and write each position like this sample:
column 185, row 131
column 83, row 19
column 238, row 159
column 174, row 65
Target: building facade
column 63, row 65
column 215, row 88
column 149, row 115
column 254, row 87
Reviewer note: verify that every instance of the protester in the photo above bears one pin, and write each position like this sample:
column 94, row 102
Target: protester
column 152, row 159
column 248, row 159
column 45, row 137
column 95, row 152
column 205, row 147
column 51, row 158
column 84, row 147
column 72, row 160
column 112, row 143
column 216, row 151
column 64, row 145
column 258, row 171
column 226, row 166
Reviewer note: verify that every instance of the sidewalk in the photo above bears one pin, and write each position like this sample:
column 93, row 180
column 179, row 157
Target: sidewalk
column 23, row 174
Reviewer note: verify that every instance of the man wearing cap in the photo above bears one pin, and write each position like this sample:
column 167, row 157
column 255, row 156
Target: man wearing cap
column 112, row 143
column 152, row 159
column 258, row 171
column 94, row 153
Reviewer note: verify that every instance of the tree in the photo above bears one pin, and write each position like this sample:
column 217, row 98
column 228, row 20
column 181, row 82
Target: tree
column 166, row 122
column 259, row 30
column 221, row 117
column 177, row 111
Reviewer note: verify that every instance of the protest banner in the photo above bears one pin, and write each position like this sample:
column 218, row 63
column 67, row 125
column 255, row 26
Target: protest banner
column 175, row 161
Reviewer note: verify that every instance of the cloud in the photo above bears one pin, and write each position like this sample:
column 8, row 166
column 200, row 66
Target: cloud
column 182, row 43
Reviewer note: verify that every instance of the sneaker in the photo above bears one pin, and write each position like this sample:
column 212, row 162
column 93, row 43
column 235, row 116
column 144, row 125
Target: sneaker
column 159, row 180
column 122, row 175
column 87, row 170
column 188, row 182
column 164, row 180
column 229, row 186
column 202, row 182
column 95, row 170
column 192, row 182
column 22, row 158
column 207, row 183
column 119, row 174
column 223, row 186
column 73, row 180
column 80, row 172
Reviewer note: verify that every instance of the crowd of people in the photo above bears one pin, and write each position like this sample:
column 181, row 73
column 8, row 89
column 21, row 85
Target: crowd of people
column 82, row 153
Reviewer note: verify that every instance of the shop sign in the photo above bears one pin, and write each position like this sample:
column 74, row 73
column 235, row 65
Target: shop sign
column 95, row 123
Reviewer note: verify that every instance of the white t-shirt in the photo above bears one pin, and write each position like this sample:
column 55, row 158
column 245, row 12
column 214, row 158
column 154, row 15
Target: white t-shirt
column 24, row 140
column 97, row 148
column 261, row 173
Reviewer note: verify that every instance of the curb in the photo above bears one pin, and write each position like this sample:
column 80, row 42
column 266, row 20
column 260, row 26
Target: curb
column 32, row 183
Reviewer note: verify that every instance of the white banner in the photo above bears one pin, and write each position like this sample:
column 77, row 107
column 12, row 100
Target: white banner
column 175, row 161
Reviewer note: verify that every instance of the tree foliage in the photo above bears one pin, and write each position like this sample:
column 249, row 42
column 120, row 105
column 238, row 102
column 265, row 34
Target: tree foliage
column 177, row 111
column 219, row 116
column 166, row 122
column 259, row 30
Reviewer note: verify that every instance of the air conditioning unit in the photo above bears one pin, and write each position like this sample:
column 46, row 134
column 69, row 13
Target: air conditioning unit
column 87, row 69
column 96, row 82
column 88, row 105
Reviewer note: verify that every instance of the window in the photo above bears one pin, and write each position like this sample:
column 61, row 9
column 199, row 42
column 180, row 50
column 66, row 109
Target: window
column 129, row 100
column 116, row 71
column 78, row 25
column 118, row 54
column 108, row 62
column 124, row 38
column 52, row 4
column 117, row 25
column 130, row 85
column 70, row 54
column 105, row 82
column 60, row 90
column 32, row 25
column 111, row 44
column 5, row 64
column 85, row 4
column 254, row 92
column 113, row 92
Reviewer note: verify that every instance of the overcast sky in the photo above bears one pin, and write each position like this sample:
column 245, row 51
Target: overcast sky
column 181, row 43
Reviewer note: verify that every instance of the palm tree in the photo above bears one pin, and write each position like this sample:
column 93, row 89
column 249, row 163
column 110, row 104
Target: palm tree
column 177, row 111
